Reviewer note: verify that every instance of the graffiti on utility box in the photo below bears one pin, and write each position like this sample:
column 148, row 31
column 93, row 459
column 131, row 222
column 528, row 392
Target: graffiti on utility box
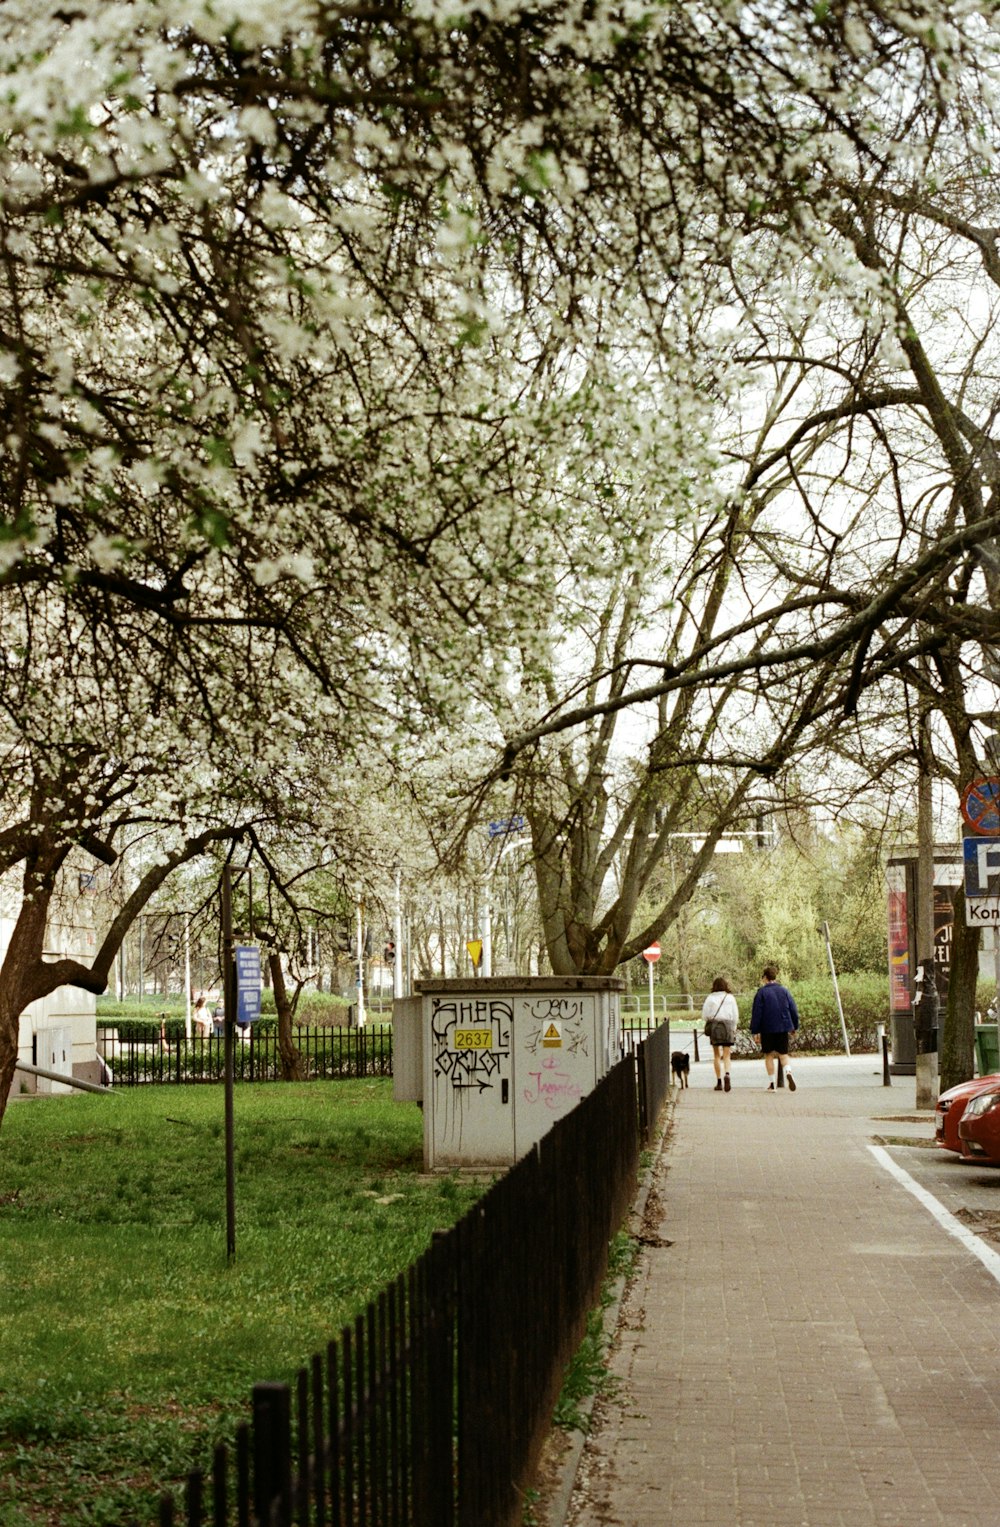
column 471, row 1041
column 555, row 1023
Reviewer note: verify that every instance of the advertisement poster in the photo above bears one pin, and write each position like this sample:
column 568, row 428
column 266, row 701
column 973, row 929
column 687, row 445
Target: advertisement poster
column 899, row 940
column 944, row 928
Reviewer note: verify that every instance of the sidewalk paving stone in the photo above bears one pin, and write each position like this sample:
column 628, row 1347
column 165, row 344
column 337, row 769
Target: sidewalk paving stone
column 812, row 1348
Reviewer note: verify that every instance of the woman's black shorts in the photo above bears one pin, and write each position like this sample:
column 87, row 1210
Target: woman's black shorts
column 774, row 1044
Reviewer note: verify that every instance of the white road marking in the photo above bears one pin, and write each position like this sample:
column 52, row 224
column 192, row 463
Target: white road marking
column 972, row 1242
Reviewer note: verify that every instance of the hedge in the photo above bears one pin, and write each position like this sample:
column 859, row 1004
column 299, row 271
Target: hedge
column 138, row 1031
column 315, row 1009
column 864, row 998
column 324, row 1051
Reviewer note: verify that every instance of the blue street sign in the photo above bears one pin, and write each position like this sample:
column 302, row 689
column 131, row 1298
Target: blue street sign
column 247, row 983
column 982, row 866
column 506, row 824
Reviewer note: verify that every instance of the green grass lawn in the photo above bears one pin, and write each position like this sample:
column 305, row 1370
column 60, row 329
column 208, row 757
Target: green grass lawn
column 128, row 1345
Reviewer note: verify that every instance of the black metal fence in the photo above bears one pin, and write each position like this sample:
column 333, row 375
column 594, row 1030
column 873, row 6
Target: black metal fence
column 430, row 1411
column 653, row 1062
column 326, row 1053
column 639, row 1027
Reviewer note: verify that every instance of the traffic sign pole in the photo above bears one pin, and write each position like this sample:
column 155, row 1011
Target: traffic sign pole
column 229, row 1008
column 651, row 955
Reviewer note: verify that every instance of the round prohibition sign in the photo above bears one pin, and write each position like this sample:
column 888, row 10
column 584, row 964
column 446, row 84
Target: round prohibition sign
column 981, row 806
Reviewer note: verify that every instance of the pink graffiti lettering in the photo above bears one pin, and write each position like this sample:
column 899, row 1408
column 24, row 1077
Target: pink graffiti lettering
column 552, row 1088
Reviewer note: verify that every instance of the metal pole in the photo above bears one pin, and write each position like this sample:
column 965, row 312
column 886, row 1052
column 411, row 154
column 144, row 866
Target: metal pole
column 361, row 966
column 836, row 988
column 229, row 1005
column 487, row 957
column 397, row 938
column 652, row 1015
column 883, row 1040
column 408, row 957
column 925, row 1016
column 59, row 1076
column 187, row 977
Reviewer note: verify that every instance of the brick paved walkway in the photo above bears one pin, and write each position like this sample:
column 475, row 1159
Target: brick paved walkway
column 812, row 1348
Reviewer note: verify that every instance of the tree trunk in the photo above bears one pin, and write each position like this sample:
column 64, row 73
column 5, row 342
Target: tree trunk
column 956, row 1058
column 291, row 1061
column 10, row 1016
column 22, row 976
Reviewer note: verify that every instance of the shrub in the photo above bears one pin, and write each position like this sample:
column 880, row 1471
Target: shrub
column 140, row 1031
column 110, row 1010
column 864, row 997
column 148, row 1031
column 315, row 1009
column 139, row 1021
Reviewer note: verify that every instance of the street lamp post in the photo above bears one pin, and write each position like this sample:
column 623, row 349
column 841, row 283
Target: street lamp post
column 487, row 960
column 397, row 938
column 187, row 977
column 361, row 964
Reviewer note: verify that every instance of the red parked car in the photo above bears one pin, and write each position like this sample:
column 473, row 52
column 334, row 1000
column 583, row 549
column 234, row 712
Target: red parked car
column 979, row 1129
column 951, row 1106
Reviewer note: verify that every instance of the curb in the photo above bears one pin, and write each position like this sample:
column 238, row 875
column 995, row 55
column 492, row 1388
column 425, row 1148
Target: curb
column 558, row 1505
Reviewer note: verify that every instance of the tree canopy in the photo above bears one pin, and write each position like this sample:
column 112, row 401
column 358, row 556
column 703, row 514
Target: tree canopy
column 590, row 357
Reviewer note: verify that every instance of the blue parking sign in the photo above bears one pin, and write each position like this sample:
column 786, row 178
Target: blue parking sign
column 982, row 866
column 247, row 983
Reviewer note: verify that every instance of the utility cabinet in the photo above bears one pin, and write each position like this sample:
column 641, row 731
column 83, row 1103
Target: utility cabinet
column 54, row 1049
column 504, row 1057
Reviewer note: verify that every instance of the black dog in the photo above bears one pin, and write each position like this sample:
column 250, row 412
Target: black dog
column 680, row 1065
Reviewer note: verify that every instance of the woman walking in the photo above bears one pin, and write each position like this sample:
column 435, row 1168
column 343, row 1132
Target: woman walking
column 721, row 1016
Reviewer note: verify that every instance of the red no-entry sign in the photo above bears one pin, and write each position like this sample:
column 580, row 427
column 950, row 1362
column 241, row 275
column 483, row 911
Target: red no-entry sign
column 652, row 954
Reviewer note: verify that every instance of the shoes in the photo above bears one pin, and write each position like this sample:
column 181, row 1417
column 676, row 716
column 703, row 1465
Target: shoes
column 727, row 1084
column 770, row 1086
column 718, row 1086
column 789, row 1078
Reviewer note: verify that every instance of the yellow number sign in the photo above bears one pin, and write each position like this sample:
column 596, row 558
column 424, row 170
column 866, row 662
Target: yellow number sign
column 473, row 1039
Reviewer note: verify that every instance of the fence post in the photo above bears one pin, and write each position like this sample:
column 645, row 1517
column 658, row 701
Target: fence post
column 220, row 1480
column 695, row 1036
column 194, row 1498
column 272, row 1451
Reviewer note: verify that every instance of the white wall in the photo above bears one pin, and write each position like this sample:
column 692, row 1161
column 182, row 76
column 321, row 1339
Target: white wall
column 69, row 1008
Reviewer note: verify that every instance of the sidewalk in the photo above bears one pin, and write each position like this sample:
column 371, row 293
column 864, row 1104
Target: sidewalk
column 808, row 1346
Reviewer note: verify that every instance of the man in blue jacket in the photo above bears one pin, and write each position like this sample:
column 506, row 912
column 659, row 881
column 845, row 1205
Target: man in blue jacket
column 774, row 1016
